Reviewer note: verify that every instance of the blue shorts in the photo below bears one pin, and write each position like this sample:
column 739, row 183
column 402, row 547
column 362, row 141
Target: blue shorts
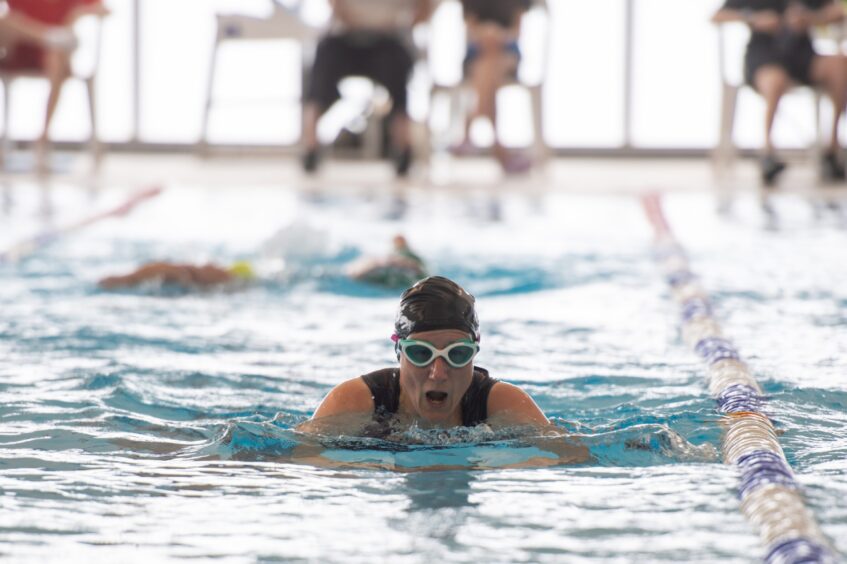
column 473, row 51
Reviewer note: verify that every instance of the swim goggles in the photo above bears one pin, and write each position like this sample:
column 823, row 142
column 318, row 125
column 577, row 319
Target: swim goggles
column 421, row 353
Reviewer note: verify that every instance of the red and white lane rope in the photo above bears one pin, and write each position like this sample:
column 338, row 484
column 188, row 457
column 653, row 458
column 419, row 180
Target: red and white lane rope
column 28, row 246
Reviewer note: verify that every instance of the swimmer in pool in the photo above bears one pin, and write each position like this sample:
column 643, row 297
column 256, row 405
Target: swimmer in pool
column 185, row 276
column 436, row 385
column 400, row 269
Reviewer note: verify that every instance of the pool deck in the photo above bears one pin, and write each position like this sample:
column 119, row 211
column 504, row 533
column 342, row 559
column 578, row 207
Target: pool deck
column 606, row 176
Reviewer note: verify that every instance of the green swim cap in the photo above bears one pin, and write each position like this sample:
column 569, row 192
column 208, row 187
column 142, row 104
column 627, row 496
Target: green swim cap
column 243, row 270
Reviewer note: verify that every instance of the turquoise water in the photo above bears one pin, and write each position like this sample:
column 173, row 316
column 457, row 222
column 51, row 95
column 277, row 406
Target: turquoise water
column 157, row 425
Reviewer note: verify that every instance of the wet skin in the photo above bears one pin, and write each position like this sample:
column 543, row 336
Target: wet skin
column 432, row 394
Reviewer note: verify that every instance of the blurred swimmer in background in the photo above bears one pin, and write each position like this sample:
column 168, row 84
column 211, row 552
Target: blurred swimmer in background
column 400, row 269
column 182, row 275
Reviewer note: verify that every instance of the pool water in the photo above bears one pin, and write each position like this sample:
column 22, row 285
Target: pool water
column 154, row 424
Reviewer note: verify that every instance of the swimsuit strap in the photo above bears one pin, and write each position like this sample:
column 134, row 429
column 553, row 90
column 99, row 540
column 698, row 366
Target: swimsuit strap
column 385, row 388
column 475, row 400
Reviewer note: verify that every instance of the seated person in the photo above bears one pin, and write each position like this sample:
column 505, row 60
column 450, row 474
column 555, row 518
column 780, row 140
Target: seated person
column 17, row 28
column 184, row 276
column 43, row 43
column 400, row 269
column 780, row 55
column 436, row 338
column 370, row 38
column 491, row 60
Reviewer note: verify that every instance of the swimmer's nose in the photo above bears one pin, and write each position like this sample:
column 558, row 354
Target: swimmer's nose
column 438, row 369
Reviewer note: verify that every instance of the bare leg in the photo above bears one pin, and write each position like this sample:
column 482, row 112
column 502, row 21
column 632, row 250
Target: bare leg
column 15, row 27
column 401, row 131
column 772, row 82
column 830, row 72
column 490, row 72
column 57, row 68
column 311, row 115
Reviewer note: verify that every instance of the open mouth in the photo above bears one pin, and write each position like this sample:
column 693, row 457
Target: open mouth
column 436, row 397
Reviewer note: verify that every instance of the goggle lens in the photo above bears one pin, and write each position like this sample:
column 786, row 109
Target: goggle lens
column 418, row 354
column 421, row 353
column 461, row 355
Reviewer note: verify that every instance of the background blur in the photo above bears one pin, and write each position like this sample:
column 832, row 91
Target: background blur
column 622, row 77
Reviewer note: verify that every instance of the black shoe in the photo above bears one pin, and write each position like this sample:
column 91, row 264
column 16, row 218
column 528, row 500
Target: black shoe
column 771, row 168
column 311, row 158
column 403, row 162
column 831, row 169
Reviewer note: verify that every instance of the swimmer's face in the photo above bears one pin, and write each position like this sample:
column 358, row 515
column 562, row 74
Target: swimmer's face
column 434, row 392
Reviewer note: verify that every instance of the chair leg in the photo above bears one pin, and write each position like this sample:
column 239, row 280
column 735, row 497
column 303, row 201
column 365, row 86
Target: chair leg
column 207, row 106
column 4, row 143
column 542, row 153
column 94, row 140
column 725, row 152
column 817, row 148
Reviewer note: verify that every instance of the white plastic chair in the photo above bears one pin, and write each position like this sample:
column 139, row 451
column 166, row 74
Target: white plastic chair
column 732, row 37
column 283, row 23
column 460, row 94
column 84, row 65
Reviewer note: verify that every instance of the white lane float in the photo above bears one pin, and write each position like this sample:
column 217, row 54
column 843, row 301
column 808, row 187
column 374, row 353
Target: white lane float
column 770, row 495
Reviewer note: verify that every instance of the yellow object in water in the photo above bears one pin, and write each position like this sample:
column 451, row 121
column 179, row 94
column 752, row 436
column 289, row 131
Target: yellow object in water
column 243, row 270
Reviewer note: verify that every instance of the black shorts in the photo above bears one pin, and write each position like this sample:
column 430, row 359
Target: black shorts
column 383, row 58
column 795, row 57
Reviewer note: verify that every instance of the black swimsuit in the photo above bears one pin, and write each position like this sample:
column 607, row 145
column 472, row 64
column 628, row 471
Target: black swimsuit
column 385, row 388
column 791, row 51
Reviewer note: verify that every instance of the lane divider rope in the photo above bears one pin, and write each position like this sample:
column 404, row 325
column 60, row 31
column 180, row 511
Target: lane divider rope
column 771, row 498
column 27, row 247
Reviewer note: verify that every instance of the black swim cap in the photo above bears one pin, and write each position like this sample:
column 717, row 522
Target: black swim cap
column 436, row 303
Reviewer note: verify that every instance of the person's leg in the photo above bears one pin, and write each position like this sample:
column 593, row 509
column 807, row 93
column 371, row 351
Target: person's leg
column 830, row 73
column 57, row 69
column 321, row 93
column 390, row 64
column 771, row 82
column 492, row 68
column 16, row 27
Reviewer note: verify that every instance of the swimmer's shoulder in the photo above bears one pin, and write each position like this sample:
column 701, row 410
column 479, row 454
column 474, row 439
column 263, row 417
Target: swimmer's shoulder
column 351, row 396
column 511, row 405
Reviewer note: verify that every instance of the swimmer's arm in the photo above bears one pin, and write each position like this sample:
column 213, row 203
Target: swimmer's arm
column 333, row 417
column 350, row 397
column 166, row 272
column 210, row 275
column 509, row 406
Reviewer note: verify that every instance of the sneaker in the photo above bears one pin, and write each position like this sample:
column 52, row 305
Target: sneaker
column 311, row 159
column 831, row 169
column 516, row 163
column 403, row 162
column 465, row 149
column 771, row 167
